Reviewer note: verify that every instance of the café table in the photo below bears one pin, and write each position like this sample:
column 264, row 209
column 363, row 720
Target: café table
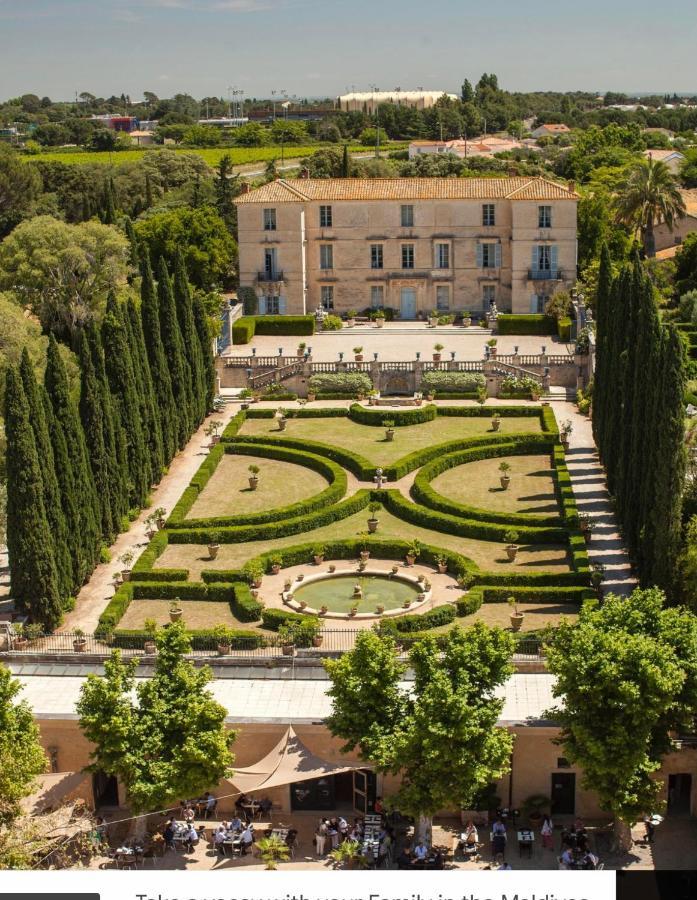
column 526, row 839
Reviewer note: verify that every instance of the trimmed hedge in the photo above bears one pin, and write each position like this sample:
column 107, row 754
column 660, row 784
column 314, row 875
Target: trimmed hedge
column 350, row 383
column 201, row 639
column 376, row 416
column 359, row 465
column 143, row 569
column 423, row 492
column 564, row 329
column 468, row 604
column 443, row 381
column 433, row 618
column 271, row 530
column 244, row 329
column 536, row 594
column 483, row 531
column 334, row 474
column 526, row 324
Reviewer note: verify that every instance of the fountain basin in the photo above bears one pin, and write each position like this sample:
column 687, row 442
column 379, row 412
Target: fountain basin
column 378, row 587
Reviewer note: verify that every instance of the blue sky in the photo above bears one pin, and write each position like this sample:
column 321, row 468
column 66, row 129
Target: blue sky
column 321, row 47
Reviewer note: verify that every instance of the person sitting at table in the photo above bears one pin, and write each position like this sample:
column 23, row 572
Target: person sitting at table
column 501, row 864
column 246, row 839
column 219, row 837
column 385, row 846
column 191, row 837
column 236, row 824
column 547, row 833
column 240, row 806
column 405, row 859
column 582, row 841
column 355, row 834
column 420, row 852
column 379, row 807
column 589, row 860
column 566, row 860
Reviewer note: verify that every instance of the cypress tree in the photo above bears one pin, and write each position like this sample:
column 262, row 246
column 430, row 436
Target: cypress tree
column 51, row 490
column 114, row 441
column 148, row 191
column 152, row 429
column 602, row 327
column 33, row 574
column 180, row 372
column 56, row 382
column 190, row 341
column 159, row 371
column 120, row 372
column 68, row 494
column 93, row 425
column 669, row 462
column 134, row 249
column 108, row 205
column 206, row 345
column 345, row 164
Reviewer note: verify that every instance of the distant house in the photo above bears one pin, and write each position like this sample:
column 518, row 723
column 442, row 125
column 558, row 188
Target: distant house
column 551, row 130
column 143, row 138
column 666, row 238
column 672, row 158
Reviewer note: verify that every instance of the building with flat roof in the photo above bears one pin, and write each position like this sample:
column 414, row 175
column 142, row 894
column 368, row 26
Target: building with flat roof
column 410, row 244
column 368, row 101
column 551, row 130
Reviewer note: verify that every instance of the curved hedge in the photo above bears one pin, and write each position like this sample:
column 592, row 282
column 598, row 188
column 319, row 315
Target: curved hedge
column 375, row 416
column 397, row 504
column 234, row 534
column 334, row 474
column 359, row 465
column 423, row 492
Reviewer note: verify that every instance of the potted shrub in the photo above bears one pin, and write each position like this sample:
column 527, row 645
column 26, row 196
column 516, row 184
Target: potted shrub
column 299, row 576
column 351, row 318
column 323, row 610
column 313, row 630
column 288, row 635
column 534, row 807
column 254, row 571
column 496, row 421
column 586, row 524
column 373, row 396
column 380, row 318
column 332, row 567
column 160, row 516
column 597, row 575
column 276, row 563
column 245, row 396
column 272, row 850
column 213, row 544
column 365, row 553
column 466, row 319
column 20, row 640
column 311, row 395
column 442, row 565
column 126, row 558
column 379, row 609
column 282, row 419
column 301, row 349
column 491, row 344
column 358, row 354
column 223, row 638
column 150, row 627
column 212, row 429
column 80, row 642
column 253, row 477
column 388, row 425
column 318, row 554
column 565, row 433
column 287, row 584
column 353, row 611
column 413, row 552
column 510, row 537
column 406, row 604
column 465, row 580
column 481, row 396
column 117, row 579
column 505, row 478
column 175, row 610
column 433, row 318
column 150, row 526
column 516, row 615
column 373, row 508
column 430, row 395
column 421, row 578
column 437, row 348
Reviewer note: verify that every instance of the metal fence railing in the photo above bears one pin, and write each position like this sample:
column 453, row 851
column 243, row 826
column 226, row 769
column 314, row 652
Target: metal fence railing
column 256, row 644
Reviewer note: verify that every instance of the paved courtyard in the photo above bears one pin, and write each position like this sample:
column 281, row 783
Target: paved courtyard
column 400, row 341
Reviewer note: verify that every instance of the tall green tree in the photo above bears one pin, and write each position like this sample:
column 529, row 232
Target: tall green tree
column 172, row 344
column 51, row 489
column 22, row 758
column 205, row 340
column 94, row 425
column 627, row 676
column 66, row 413
column 120, row 372
column 603, row 319
column 159, row 370
column 649, row 195
column 190, row 341
column 152, row 428
column 165, row 737
column 441, row 735
column 33, row 574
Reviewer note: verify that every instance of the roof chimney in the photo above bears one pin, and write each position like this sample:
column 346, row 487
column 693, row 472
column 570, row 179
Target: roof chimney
column 304, row 173
column 245, row 187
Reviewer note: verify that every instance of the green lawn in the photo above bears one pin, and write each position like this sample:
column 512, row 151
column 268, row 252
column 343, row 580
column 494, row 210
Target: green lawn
column 487, row 555
column 537, row 615
column 531, row 490
column 369, row 441
column 198, row 614
column 280, row 484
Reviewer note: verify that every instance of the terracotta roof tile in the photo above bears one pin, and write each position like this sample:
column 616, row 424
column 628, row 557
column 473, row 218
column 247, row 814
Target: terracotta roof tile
column 309, row 189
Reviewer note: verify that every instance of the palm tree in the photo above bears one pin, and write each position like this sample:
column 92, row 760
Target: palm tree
column 649, row 195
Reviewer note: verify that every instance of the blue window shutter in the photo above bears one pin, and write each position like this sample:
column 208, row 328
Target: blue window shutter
column 282, row 306
column 262, row 306
column 535, row 258
column 554, row 256
column 498, row 256
column 533, row 303
column 480, row 256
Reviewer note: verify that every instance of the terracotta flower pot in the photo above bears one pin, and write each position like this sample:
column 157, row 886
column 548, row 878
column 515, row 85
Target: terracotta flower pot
column 505, row 481
column 317, row 640
column 213, row 550
column 512, row 552
column 150, row 648
column 125, row 574
column 311, row 397
column 410, row 559
column 323, row 610
column 517, row 621
column 319, row 559
column 288, row 649
column 365, row 555
column 380, row 609
column 442, row 568
column 389, row 434
column 436, row 357
column 275, row 569
column 253, row 483
column 223, row 649
column 175, row 615
column 79, row 645
column 372, row 526
column 495, row 424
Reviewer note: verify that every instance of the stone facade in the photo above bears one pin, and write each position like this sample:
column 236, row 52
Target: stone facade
column 409, row 244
